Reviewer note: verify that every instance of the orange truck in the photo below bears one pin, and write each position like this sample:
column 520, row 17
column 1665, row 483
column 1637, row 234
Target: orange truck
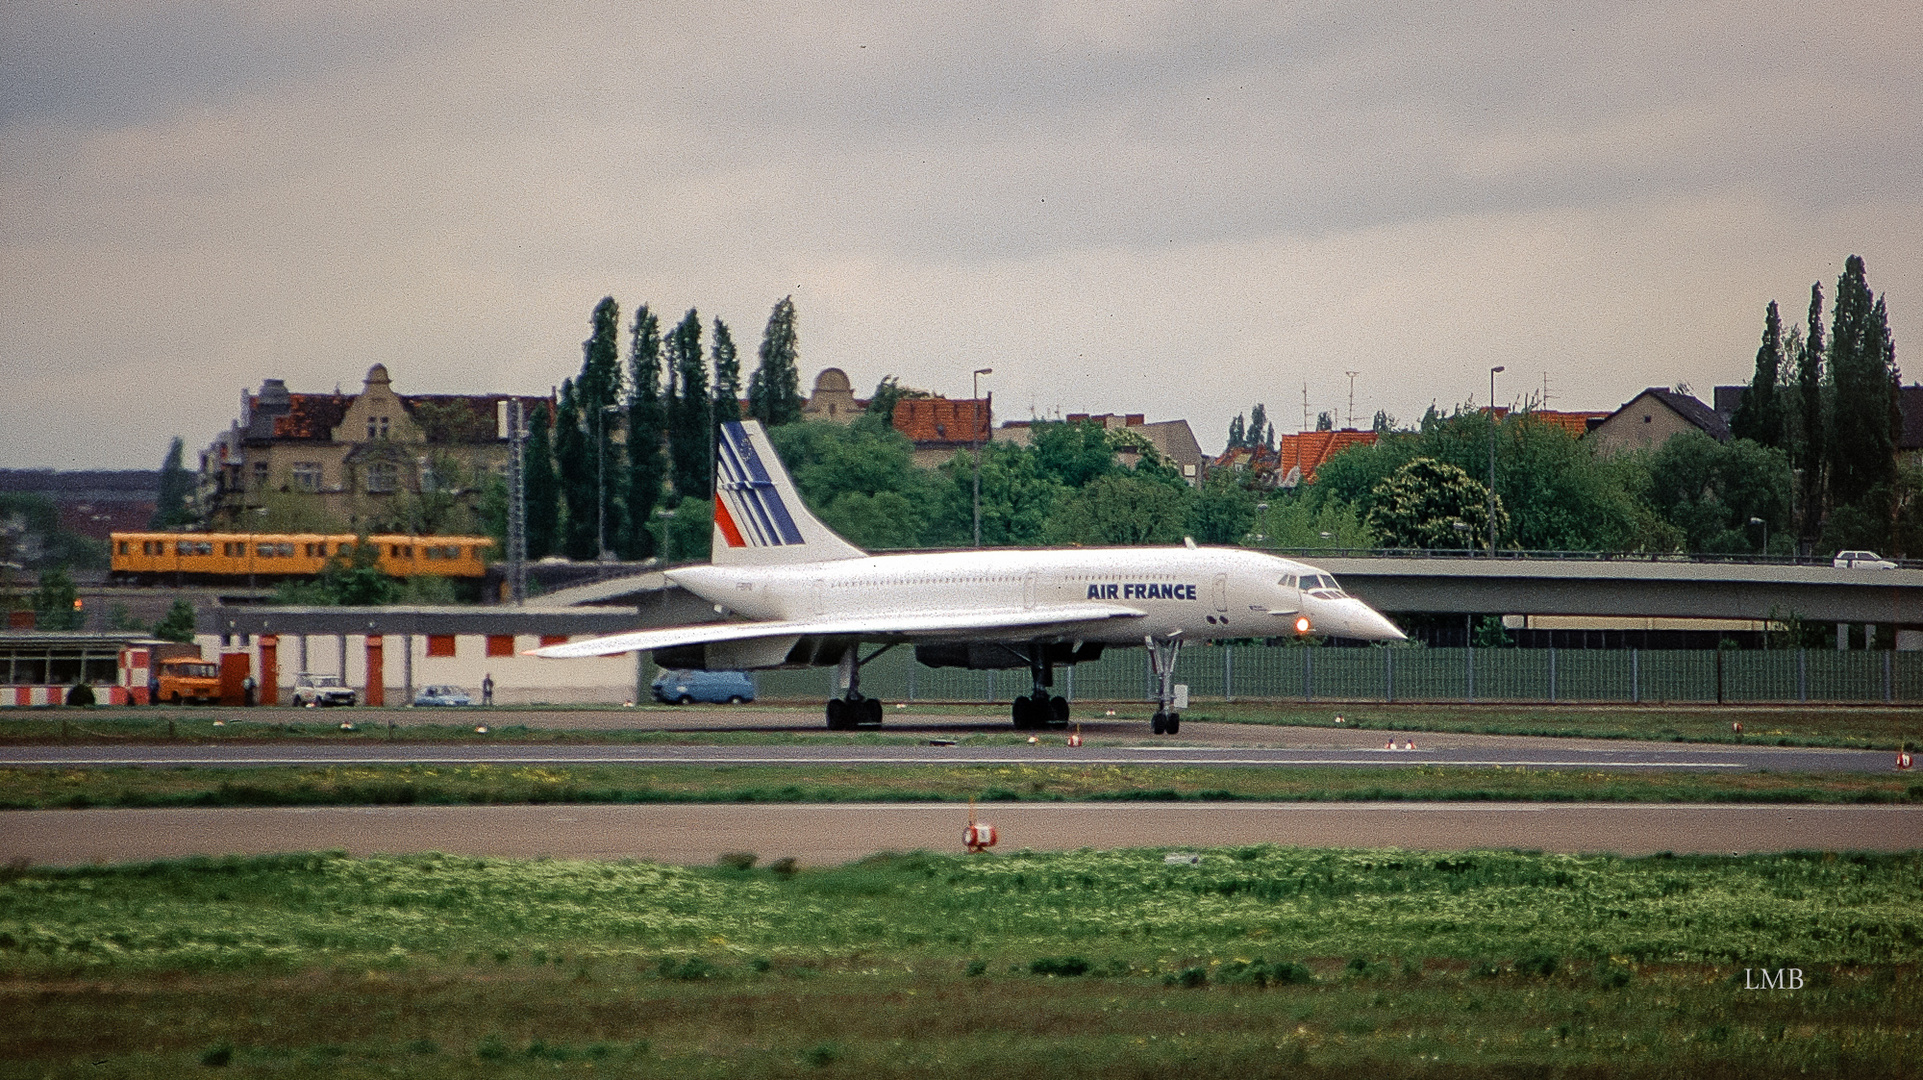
column 187, row 678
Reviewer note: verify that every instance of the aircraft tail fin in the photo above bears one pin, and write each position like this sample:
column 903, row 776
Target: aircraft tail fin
column 759, row 518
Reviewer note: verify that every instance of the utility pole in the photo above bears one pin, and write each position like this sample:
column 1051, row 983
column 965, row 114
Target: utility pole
column 1492, row 459
column 516, row 506
column 602, row 553
column 974, row 440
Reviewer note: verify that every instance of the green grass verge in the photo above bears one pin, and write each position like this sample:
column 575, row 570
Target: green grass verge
column 1259, row 961
column 350, row 785
column 1851, row 727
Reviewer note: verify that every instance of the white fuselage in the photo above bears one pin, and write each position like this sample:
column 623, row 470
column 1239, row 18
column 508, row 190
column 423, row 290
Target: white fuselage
column 1189, row 593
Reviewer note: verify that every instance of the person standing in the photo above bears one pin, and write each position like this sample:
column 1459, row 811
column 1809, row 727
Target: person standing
column 487, row 689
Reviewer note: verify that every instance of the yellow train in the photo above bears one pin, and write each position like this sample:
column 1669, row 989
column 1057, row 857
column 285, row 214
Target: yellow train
column 166, row 557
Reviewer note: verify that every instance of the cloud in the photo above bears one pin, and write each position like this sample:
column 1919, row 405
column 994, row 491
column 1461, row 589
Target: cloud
column 1161, row 208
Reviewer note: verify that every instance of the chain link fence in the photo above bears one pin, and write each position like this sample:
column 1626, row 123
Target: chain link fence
column 1295, row 673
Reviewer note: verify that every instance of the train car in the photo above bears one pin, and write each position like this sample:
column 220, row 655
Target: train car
column 165, row 557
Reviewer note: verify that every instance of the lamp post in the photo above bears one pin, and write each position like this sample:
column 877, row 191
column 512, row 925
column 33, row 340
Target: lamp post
column 975, row 443
column 1765, row 525
column 601, row 472
column 1492, row 459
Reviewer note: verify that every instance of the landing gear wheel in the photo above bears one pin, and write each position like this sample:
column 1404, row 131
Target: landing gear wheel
column 1058, row 711
column 838, row 715
column 870, row 711
column 1173, row 724
column 1021, row 713
column 1158, row 723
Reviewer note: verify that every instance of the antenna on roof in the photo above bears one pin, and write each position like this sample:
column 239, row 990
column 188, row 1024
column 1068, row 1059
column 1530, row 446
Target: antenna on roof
column 1351, row 376
column 1305, row 406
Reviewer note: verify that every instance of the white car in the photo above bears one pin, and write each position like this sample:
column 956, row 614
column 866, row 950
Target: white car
column 311, row 690
column 1861, row 560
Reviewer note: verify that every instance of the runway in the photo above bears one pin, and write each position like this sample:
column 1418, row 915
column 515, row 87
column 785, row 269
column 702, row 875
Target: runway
column 832, row 834
column 1464, row 751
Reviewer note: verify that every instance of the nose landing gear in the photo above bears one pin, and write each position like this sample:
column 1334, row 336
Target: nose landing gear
column 1162, row 654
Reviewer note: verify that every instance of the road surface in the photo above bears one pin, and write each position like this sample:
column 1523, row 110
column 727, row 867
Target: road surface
column 827, row 835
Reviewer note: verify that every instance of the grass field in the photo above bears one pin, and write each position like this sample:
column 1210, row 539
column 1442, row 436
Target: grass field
column 1256, row 962
column 1856, row 727
column 350, row 785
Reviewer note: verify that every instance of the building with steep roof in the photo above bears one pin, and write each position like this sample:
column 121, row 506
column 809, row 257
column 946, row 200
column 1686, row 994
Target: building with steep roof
column 1173, row 440
column 833, row 399
column 349, row 459
column 939, row 426
column 1296, row 459
column 1652, row 418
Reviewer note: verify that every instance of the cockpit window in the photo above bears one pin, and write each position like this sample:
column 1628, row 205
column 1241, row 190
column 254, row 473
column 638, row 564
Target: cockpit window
column 1321, row 583
column 1288, row 581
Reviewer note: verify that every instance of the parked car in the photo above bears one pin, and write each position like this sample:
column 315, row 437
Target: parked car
column 1861, row 560
column 442, row 695
column 321, row 690
column 687, row 687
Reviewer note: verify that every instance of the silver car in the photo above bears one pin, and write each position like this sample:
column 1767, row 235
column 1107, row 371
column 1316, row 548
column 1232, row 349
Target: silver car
column 1861, row 560
column 312, row 690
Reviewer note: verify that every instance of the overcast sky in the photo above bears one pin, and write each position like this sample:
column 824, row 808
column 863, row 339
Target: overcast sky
column 1178, row 209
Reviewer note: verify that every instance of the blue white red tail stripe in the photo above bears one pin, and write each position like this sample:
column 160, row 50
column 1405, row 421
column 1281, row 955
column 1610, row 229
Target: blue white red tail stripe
column 752, row 499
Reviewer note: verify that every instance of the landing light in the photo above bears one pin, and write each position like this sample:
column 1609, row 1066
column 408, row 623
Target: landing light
column 1302, row 625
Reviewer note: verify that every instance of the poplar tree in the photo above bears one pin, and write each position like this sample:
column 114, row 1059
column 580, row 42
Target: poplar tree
column 727, row 375
column 1261, row 433
column 774, row 390
column 1238, row 429
column 1809, row 387
column 1861, row 447
column 176, row 484
column 690, row 412
column 539, row 488
column 647, row 433
column 580, row 487
column 1759, row 416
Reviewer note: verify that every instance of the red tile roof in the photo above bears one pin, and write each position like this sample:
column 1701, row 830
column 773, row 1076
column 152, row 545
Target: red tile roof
column 1308, row 450
column 943, row 421
column 1575, row 423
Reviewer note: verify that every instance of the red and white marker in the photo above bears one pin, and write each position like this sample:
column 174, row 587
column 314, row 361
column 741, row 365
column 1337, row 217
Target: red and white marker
column 1903, row 759
column 1076, row 738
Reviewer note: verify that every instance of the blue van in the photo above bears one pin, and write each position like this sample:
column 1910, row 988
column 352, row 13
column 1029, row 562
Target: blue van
column 687, row 687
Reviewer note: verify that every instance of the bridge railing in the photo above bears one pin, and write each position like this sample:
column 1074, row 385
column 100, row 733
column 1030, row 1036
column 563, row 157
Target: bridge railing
column 1426, row 674
column 1312, row 554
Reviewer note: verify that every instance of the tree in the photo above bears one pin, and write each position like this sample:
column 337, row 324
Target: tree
column 1121, row 510
column 1017, row 498
column 1221, row 510
column 774, row 390
column 888, row 392
column 1861, row 448
column 727, row 375
column 353, row 577
column 1325, row 421
column 1812, row 434
column 178, row 624
column 687, row 534
column 1300, row 523
column 1238, row 432
column 1073, row 455
column 1420, row 505
column 1759, row 416
column 540, row 486
column 1260, row 433
column 575, row 463
column 56, row 602
column 860, row 479
column 176, row 486
column 1709, row 491
column 600, row 380
column 690, row 412
column 647, row 433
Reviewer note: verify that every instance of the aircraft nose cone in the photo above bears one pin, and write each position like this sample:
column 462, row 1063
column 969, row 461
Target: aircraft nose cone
column 1362, row 621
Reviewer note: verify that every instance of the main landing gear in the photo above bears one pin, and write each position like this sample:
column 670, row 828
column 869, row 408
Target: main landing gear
column 1162, row 654
column 1038, row 709
column 851, row 710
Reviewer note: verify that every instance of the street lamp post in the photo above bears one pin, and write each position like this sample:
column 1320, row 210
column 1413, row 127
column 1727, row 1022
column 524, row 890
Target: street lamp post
column 1491, row 538
column 974, row 441
column 602, row 553
column 1765, row 525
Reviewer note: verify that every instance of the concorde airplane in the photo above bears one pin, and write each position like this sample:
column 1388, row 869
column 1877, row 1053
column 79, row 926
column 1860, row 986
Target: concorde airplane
column 793, row 594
